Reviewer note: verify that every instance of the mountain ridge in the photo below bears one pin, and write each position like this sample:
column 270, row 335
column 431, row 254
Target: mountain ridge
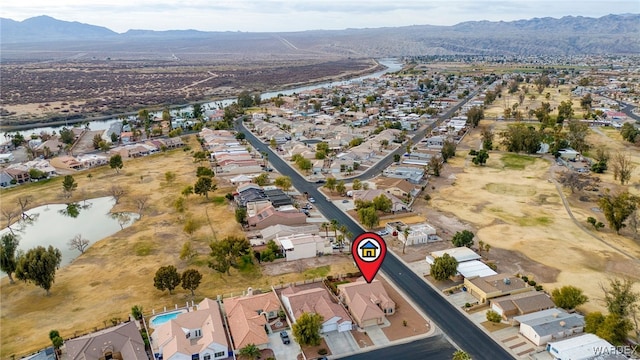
column 568, row 35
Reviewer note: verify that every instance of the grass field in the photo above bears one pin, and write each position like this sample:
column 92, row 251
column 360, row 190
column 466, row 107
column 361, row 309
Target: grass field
column 117, row 272
column 514, row 206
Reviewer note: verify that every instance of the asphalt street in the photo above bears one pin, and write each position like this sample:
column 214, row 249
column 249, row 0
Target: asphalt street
column 432, row 348
column 452, row 321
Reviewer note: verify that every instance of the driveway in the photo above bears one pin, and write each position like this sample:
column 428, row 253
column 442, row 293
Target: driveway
column 376, row 335
column 282, row 351
column 341, row 343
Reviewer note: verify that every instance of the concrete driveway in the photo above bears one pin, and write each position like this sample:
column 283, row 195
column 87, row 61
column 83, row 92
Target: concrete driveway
column 376, row 335
column 341, row 343
column 282, row 351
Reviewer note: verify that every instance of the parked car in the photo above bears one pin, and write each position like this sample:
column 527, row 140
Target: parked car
column 345, row 201
column 321, row 181
column 285, row 338
column 312, row 200
column 383, row 232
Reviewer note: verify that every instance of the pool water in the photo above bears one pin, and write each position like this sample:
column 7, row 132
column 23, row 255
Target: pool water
column 161, row 319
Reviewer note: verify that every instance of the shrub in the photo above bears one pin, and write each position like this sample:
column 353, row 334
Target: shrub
column 538, row 287
column 467, row 305
column 532, row 283
column 404, row 323
column 525, row 279
column 322, row 351
column 493, row 316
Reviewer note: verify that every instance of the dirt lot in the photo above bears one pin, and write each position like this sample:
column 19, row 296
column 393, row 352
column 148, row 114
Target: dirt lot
column 511, row 205
column 416, row 324
column 47, row 92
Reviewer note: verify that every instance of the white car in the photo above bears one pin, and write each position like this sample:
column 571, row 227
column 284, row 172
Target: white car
column 383, row 232
column 312, row 200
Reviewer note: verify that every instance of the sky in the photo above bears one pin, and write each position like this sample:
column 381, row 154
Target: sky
column 299, row 15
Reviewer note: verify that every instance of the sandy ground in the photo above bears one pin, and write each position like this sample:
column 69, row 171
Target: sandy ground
column 557, row 95
column 520, row 214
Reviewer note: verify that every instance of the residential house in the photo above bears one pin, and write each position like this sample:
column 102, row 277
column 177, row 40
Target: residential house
column 369, row 195
column 521, row 304
column 20, row 176
column 270, row 216
column 92, row 160
column 6, row 158
column 461, row 254
column 400, row 188
column 279, row 230
column 49, row 148
column 44, row 354
column 122, row 341
column 302, row 246
column 66, row 162
column 584, row 347
column 318, row 301
column 413, row 174
column 249, row 317
column 418, row 234
column 474, row 268
column 5, row 179
column 368, row 303
column 552, row 324
column 197, row 334
column 489, row 287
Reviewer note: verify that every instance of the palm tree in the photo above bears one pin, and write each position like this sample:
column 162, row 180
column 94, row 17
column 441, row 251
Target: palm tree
column 250, row 351
column 334, row 227
column 405, row 232
column 325, row 226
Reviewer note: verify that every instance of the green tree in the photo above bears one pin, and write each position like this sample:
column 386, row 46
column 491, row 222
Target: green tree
column 96, row 141
column 617, row 208
column 620, row 298
column 204, row 171
column 592, row 321
column 435, row 165
column 8, row 261
column 493, row 316
column 169, row 177
column 251, row 351
column 197, row 111
column 577, row 134
column 17, row 139
column 331, row 184
column 190, row 226
column 614, row 329
column 487, row 138
column 481, row 157
column 382, row 203
column 187, row 252
column 357, row 184
column 283, row 182
column 448, row 150
column 188, row 190
column 565, row 111
column 461, row 355
column 444, row 267
column 622, row 167
column 629, row 132
column 203, row 186
column 341, row 188
column 39, row 266
column 199, row 156
column 241, row 215
column 368, row 217
column 262, row 179
column 396, row 157
column 322, row 146
column 136, row 312
column 227, row 252
column 474, row 115
column 166, row 278
column 522, row 138
column 67, row 136
column 463, row 238
column 69, row 185
column 568, row 297
column 306, row 329
column 115, row 162
column 191, row 280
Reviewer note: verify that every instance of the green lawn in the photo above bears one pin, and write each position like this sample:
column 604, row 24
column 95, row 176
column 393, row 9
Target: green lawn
column 517, row 161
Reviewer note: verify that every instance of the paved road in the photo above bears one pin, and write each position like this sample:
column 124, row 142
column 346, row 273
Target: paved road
column 432, row 348
column 454, row 323
column 628, row 110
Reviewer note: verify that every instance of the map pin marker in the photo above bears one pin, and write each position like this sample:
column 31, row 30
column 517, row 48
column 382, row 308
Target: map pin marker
column 369, row 250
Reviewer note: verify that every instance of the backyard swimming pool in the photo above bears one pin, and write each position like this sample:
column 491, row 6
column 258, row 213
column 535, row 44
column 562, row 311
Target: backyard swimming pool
column 161, row 319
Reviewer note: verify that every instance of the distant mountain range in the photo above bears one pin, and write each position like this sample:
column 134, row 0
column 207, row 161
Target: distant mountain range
column 611, row 34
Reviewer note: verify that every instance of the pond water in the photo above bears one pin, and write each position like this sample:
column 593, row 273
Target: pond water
column 56, row 224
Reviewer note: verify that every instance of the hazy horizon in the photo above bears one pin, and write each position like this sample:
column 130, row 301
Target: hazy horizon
column 295, row 15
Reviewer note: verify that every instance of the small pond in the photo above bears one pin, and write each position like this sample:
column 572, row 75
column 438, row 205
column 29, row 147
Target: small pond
column 56, row 224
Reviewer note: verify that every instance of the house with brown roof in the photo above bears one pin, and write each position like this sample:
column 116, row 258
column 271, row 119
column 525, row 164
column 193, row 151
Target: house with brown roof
column 200, row 332
column 401, row 188
column 269, row 216
column 521, row 304
column 21, row 176
column 489, row 287
column 122, row 342
column 318, row 301
column 249, row 318
column 368, row 303
column 369, row 195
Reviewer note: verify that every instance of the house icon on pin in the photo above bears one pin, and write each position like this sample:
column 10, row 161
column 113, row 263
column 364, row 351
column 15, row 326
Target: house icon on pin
column 369, row 250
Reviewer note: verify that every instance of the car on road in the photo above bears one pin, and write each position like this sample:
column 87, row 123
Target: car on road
column 285, row 338
column 383, row 232
column 312, row 200
column 321, row 181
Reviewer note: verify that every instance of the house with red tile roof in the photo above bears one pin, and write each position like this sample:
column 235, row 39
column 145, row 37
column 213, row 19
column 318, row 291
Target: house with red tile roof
column 248, row 317
column 269, row 216
column 318, row 301
column 368, row 303
column 200, row 332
